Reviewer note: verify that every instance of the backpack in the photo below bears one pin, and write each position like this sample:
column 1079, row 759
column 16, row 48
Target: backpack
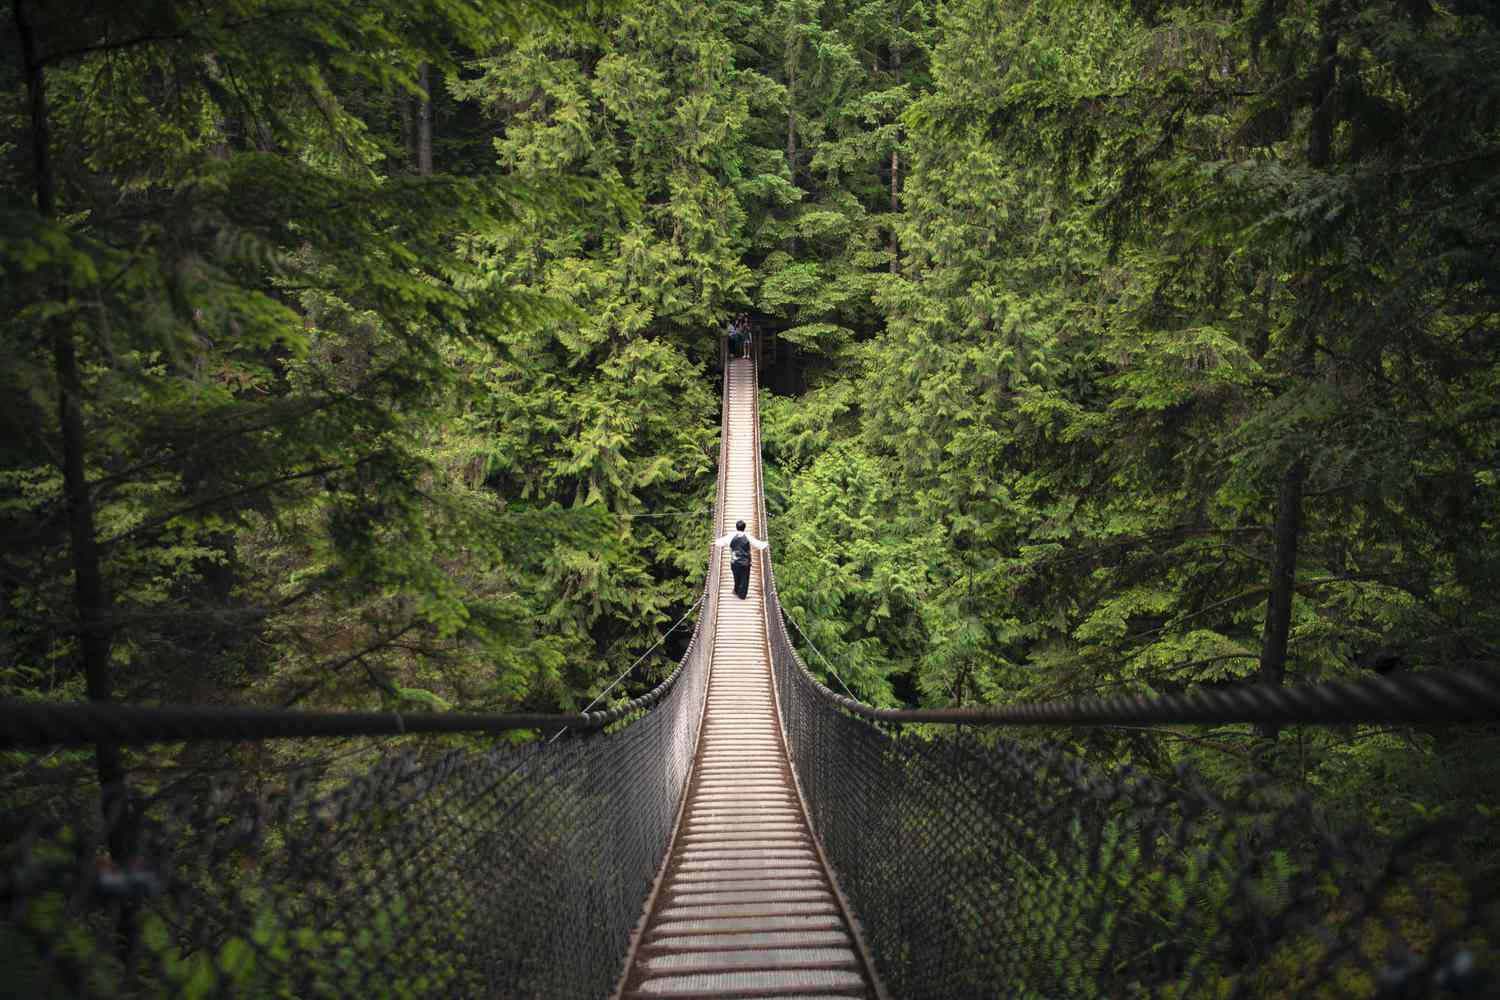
column 739, row 548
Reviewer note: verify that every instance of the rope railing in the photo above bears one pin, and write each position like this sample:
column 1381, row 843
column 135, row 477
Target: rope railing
column 1447, row 697
column 981, row 866
column 33, row 724
column 1454, row 696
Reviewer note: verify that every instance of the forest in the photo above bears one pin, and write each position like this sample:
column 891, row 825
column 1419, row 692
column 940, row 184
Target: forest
column 366, row 356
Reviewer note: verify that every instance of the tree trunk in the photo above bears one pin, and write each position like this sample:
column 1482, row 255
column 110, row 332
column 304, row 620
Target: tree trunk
column 895, row 167
column 408, row 130
column 1288, row 525
column 1283, row 580
column 424, row 122
column 91, row 596
column 793, row 53
column 1262, row 341
column 791, row 122
column 895, row 203
column 1324, row 81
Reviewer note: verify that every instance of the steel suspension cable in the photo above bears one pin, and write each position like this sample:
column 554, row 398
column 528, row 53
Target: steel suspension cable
column 39, row 724
column 1449, row 696
column 831, row 668
column 638, row 660
column 1465, row 695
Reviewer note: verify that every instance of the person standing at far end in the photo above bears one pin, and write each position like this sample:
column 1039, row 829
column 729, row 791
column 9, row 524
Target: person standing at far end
column 739, row 543
column 747, row 336
column 735, row 339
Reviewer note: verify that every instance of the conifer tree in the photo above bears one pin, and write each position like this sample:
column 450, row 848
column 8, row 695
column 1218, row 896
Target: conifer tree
column 228, row 333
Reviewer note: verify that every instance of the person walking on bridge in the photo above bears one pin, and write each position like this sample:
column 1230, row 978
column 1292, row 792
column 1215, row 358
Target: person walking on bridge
column 739, row 542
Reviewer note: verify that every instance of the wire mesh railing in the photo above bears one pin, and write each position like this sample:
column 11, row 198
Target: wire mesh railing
column 513, row 871
column 981, row 868
column 980, row 865
column 506, row 871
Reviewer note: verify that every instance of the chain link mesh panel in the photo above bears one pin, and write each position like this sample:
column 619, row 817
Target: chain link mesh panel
column 980, row 867
column 515, row 872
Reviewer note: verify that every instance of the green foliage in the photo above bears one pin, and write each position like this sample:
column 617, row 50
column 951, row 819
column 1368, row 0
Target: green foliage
column 1062, row 292
column 1142, row 272
column 293, row 357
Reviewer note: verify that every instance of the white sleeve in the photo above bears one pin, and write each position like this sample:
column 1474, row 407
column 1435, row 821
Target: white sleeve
column 758, row 543
column 725, row 540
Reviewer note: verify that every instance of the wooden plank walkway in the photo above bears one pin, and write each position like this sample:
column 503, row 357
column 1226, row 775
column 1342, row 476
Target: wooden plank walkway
column 745, row 908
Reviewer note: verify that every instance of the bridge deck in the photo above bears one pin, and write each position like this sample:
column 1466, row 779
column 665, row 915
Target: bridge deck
column 745, row 908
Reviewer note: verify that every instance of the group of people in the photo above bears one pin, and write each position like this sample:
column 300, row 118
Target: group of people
column 739, row 336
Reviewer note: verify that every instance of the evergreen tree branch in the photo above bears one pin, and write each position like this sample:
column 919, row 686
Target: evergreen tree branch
column 164, row 519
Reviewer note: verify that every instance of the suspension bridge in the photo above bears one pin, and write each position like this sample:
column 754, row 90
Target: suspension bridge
column 741, row 831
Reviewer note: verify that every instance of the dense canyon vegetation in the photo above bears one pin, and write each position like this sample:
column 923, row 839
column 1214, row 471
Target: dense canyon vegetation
column 366, row 355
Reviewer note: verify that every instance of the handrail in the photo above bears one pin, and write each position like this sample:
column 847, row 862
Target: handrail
column 1446, row 696
column 31, row 724
column 26, row 724
column 768, row 601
